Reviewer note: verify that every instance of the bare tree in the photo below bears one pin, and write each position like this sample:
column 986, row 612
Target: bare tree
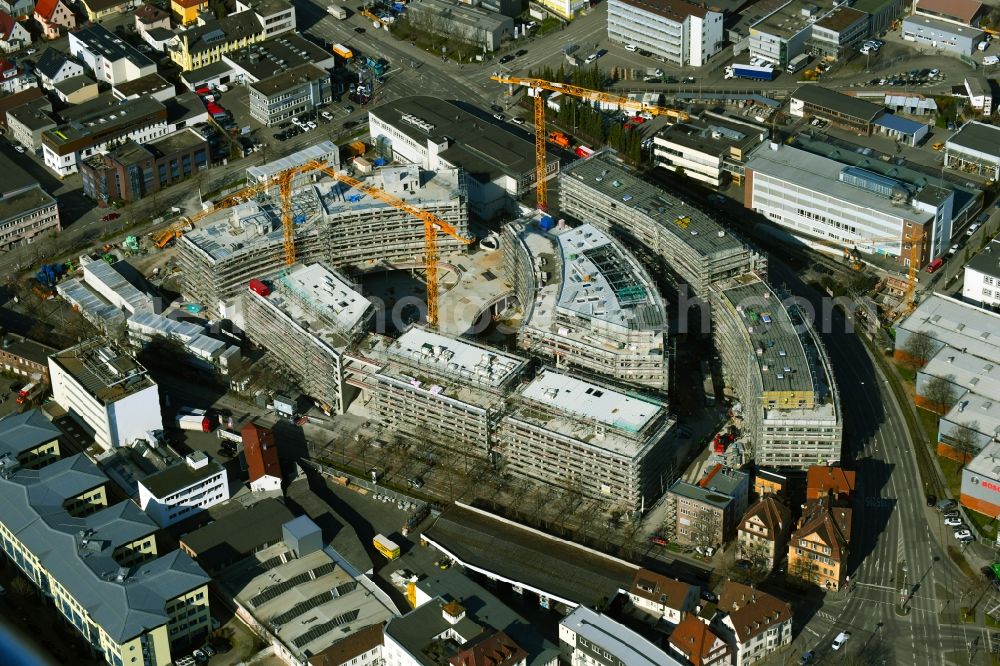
column 919, row 347
column 965, row 440
column 940, row 393
column 804, row 568
column 705, row 529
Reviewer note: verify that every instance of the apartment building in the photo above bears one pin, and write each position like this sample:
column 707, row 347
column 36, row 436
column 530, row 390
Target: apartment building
column 106, row 392
column 438, row 135
column 712, row 149
column 345, row 228
column 779, row 369
column 54, row 66
column 278, row 98
column 785, row 32
column 819, row 547
column 108, row 56
column 981, row 277
column 276, row 16
column 308, row 320
column 431, row 386
column 762, row 537
column 183, row 489
column 666, row 599
column 692, row 246
column 839, row 33
column 100, row 564
column 588, row 637
column 28, row 440
column 23, row 357
column 974, row 149
column 587, row 302
column 604, row 443
column 707, row 513
column 835, row 201
column 97, row 125
column 757, row 624
column 132, row 171
column 29, row 121
column 261, row 453
column 98, row 10
column 205, row 44
column 26, row 210
column 681, row 33
column 695, row 642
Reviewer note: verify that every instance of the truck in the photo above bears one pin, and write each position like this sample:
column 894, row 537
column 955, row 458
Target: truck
column 756, row 72
column 654, row 71
column 797, row 63
column 343, row 51
column 30, row 391
column 335, row 10
column 384, row 545
column 189, row 418
column 260, row 288
column 560, row 139
column 583, row 151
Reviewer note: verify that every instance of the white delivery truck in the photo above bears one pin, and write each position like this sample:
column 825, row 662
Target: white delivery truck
column 338, row 11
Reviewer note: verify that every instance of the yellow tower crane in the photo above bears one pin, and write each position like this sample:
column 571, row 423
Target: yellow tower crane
column 595, row 96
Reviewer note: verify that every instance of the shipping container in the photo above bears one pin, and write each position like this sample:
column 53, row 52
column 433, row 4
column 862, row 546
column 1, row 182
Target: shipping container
column 193, row 419
column 343, row 51
column 388, row 548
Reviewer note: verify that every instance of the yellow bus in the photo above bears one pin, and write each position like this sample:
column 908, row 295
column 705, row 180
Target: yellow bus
column 388, row 548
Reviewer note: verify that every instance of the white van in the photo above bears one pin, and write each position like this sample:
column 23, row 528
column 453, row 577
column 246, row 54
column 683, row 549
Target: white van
column 991, row 60
column 839, row 641
column 631, row 48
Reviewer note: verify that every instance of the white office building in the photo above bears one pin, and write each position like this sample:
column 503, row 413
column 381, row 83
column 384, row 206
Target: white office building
column 106, row 391
column 109, row 57
column 596, row 640
column 183, row 489
column 982, row 277
column 833, row 204
column 975, row 148
column 678, row 31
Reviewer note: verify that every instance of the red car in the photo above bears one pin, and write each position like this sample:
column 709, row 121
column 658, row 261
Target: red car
column 660, row 541
column 110, row 216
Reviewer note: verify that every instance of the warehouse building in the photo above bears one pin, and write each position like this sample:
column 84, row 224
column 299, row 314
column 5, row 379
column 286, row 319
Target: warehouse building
column 941, row 35
column 106, row 392
column 975, row 148
column 959, row 12
column 307, row 321
column 812, row 101
column 679, row 32
column 834, row 200
column 26, row 210
column 779, row 370
column 587, row 303
column 604, row 443
column 692, row 246
column 342, row 227
column 471, row 24
column 431, row 386
column 712, row 149
column 950, row 323
column 981, row 482
column 100, row 565
column 498, row 165
column 881, row 13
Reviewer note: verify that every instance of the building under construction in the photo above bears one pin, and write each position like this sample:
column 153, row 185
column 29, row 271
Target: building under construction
column 689, row 243
column 334, row 223
column 780, row 372
column 587, row 303
column 589, row 438
column 431, row 386
column 307, row 321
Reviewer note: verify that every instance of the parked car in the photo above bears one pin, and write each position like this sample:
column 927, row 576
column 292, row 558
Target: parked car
column 521, row 53
column 952, row 522
column 327, row 115
column 743, row 564
column 496, row 108
column 631, row 48
column 359, row 30
column 591, row 58
column 946, row 505
column 972, row 229
column 505, row 59
column 953, row 514
column 109, row 217
column 961, row 535
column 19, row 149
column 807, row 658
column 954, row 248
column 517, row 121
column 839, row 641
column 499, row 116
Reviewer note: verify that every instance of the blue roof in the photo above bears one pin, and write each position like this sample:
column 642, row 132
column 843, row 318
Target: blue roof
column 23, row 432
column 898, row 124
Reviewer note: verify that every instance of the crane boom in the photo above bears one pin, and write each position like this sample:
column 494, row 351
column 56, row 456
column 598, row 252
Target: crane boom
column 591, row 95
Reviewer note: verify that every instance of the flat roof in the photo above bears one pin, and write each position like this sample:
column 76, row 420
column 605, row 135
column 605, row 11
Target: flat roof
column 175, row 142
column 987, row 462
column 604, row 174
column 713, row 135
column 480, row 147
column 15, row 177
column 841, row 18
column 960, row 10
column 103, row 371
column 847, row 105
column 987, row 261
column 102, row 116
column 31, row 116
column 275, row 55
column 102, row 41
column 780, row 354
column 957, row 324
column 818, row 173
column 307, row 601
column 112, row 279
column 943, row 27
column 787, row 21
column 980, row 413
column 966, row 370
column 675, row 10
column 602, row 281
column 572, row 396
column 979, row 138
column 283, row 81
column 626, row 646
column 180, row 475
column 407, row 182
column 88, row 302
column 324, row 151
column 26, row 201
column 455, row 358
column 159, row 324
column 144, row 85
column 524, row 556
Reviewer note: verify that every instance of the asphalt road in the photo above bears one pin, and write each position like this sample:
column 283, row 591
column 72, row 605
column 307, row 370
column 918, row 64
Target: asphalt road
column 890, row 526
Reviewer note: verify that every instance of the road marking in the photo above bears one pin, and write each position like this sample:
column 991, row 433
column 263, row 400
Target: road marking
column 879, row 587
column 813, row 632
